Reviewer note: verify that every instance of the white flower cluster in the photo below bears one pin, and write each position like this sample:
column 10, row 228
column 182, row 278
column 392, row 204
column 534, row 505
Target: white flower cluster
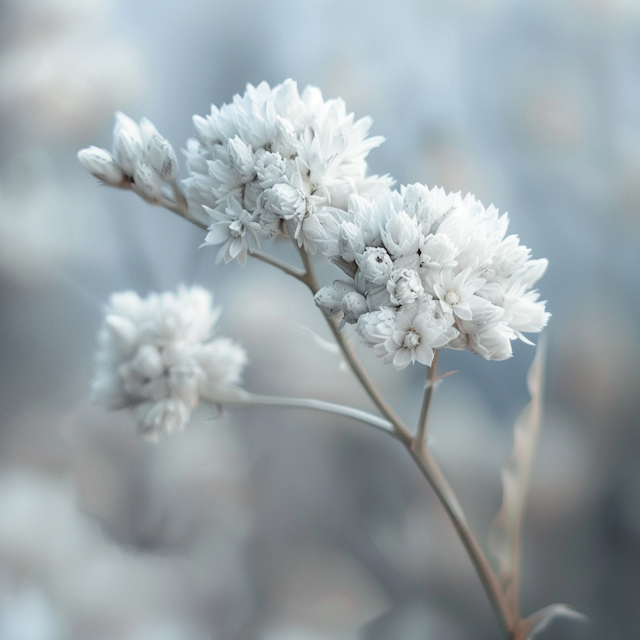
column 429, row 270
column 425, row 269
column 275, row 161
column 142, row 159
column 158, row 357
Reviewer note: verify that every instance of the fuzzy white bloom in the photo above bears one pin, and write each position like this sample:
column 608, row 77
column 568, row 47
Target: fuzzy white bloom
column 310, row 153
column 445, row 255
column 142, row 159
column 158, row 356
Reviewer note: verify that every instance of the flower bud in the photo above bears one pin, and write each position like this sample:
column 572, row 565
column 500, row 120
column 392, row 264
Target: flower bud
column 127, row 143
column 353, row 306
column 283, row 200
column 100, row 163
column 329, row 298
column 241, row 158
column 350, row 241
column 158, row 152
column 375, row 265
column 270, row 168
column 147, row 182
column 376, row 327
column 404, row 286
column 401, row 234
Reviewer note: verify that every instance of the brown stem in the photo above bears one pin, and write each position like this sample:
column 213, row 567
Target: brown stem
column 298, row 274
column 419, row 440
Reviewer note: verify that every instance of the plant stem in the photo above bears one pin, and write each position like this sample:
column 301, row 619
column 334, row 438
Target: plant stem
column 449, row 501
column 427, row 465
column 298, row 274
column 247, row 398
column 419, row 440
column 352, row 359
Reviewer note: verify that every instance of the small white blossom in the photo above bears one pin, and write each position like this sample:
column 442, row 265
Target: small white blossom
column 404, row 286
column 415, row 336
column 157, row 151
column 401, row 234
column 127, row 143
column 375, row 265
column 230, row 230
column 375, row 328
column 283, row 200
column 158, row 356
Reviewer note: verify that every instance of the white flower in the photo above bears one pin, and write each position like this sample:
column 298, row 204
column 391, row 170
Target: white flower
column 416, row 335
column 157, row 151
column 456, row 293
column 438, row 252
column 375, row 265
column 401, row 234
column 270, row 168
column 283, row 200
column 271, row 135
column 127, row 143
column 428, row 206
column 404, row 286
column 230, row 230
column 376, row 328
column 158, row 356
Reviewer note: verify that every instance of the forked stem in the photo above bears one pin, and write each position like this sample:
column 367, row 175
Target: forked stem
column 414, row 445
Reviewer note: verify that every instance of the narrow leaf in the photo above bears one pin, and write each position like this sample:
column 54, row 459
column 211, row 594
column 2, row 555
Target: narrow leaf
column 504, row 534
column 538, row 621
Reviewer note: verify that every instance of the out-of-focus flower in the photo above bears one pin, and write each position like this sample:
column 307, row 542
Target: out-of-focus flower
column 157, row 356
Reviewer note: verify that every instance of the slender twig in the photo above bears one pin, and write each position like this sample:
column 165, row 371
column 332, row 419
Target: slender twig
column 299, row 274
column 351, row 357
column 449, row 501
column 246, row 398
column 419, row 440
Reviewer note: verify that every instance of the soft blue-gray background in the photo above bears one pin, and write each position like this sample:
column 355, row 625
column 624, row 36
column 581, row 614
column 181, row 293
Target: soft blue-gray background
column 281, row 525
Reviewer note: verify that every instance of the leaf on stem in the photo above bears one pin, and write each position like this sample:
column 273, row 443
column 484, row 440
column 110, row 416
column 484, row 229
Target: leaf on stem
column 504, row 534
column 540, row 619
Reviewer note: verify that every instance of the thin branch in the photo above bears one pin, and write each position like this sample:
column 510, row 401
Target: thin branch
column 351, row 357
column 299, row 274
column 247, row 398
column 419, row 440
column 449, row 501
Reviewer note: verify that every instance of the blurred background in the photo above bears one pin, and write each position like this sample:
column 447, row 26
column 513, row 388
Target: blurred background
column 280, row 525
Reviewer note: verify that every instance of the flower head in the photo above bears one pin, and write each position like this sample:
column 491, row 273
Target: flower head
column 285, row 153
column 158, row 356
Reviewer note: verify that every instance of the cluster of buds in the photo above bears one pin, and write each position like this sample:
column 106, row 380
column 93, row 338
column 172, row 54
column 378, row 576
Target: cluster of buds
column 141, row 159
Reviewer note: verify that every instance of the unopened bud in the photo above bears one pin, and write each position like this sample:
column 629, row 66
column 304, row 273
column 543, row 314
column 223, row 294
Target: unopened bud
column 100, row 163
column 147, row 182
column 158, row 152
column 127, row 143
column 353, row 306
